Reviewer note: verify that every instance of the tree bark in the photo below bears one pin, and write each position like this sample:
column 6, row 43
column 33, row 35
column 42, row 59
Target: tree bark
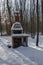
column 42, row 15
column 9, row 12
column 0, row 25
column 37, row 40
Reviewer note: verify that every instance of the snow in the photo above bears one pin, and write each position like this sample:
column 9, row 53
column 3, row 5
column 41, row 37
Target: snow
column 16, row 26
column 20, row 35
column 30, row 55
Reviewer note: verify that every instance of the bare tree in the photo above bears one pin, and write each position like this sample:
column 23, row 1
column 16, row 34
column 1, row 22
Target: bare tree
column 37, row 40
column 22, row 11
column 31, row 16
column 16, row 5
column 0, row 25
column 42, row 15
column 9, row 11
column 21, row 15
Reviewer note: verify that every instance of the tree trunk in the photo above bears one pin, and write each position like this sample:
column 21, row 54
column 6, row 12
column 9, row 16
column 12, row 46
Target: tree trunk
column 0, row 25
column 37, row 40
column 42, row 15
column 9, row 12
column 22, row 11
column 32, row 17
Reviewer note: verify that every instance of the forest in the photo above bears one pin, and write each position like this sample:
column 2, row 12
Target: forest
column 30, row 16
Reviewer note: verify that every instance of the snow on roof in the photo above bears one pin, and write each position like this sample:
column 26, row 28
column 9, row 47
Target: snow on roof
column 17, row 23
column 17, row 26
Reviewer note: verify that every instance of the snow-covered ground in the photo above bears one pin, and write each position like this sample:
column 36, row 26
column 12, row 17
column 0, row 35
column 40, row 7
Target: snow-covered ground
column 30, row 55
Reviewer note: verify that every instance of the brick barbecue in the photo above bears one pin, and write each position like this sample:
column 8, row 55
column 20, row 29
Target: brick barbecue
column 18, row 37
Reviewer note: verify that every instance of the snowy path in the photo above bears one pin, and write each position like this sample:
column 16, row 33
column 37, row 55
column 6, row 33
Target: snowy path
column 12, row 56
